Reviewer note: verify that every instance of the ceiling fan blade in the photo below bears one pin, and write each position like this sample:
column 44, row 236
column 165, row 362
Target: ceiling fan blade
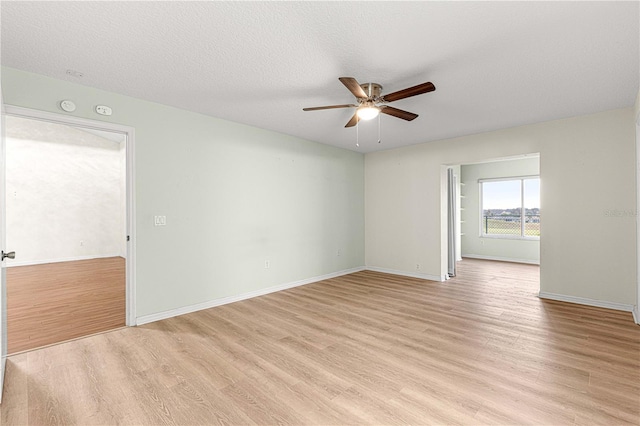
column 329, row 107
column 354, row 120
column 353, row 86
column 411, row 91
column 405, row 115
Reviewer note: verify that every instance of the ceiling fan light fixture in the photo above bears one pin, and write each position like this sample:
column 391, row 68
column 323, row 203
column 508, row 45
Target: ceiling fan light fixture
column 368, row 94
column 368, row 112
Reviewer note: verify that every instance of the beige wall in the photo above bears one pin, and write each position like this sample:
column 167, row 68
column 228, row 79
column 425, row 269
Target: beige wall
column 234, row 196
column 637, row 106
column 588, row 191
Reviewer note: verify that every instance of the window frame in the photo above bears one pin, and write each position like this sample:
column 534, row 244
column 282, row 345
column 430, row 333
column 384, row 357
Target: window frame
column 521, row 236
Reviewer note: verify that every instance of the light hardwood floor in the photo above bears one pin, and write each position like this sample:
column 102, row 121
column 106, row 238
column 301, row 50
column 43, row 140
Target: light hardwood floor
column 367, row 348
column 54, row 302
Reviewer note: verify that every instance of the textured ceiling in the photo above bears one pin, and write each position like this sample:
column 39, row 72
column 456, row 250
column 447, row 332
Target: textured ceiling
column 494, row 64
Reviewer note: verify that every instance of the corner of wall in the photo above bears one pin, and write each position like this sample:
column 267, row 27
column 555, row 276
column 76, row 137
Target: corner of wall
column 636, row 309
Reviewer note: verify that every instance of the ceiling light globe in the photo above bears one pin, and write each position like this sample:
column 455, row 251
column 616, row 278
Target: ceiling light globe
column 368, row 113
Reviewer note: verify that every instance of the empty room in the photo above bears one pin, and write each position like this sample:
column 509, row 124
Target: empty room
column 320, row 213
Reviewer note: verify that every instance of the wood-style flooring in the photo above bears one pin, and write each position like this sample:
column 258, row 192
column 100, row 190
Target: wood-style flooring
column 55, row 302
column 366, row 348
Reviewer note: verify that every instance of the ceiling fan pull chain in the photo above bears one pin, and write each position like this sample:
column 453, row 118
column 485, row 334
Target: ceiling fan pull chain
column 357, row 134
column 378, row 128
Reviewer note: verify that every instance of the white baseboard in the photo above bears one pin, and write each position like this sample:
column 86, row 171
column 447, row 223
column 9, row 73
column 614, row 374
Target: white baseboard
column 636, row 315
column 230, row 299
column 585, row 301
column 11, row 263
column 501, row 259
column 407, row 274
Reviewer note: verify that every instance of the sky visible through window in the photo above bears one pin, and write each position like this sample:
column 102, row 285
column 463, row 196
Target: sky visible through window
column 506, row 194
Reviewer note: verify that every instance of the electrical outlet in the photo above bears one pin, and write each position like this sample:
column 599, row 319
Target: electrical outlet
column 339, row 253
column 417, row 266
column 267, row 264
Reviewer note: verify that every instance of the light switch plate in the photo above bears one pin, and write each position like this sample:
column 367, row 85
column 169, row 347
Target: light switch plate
column 159, row 220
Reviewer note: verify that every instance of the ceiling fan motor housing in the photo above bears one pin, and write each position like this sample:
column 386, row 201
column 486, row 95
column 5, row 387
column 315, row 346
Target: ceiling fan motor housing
column 372, row 90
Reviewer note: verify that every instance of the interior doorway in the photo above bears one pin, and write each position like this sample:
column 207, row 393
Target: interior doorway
column 501, row 211
column 67, row 214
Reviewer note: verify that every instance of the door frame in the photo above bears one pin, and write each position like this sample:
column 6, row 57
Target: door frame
column 32, row 114
column 3, row 277
column 636, row 309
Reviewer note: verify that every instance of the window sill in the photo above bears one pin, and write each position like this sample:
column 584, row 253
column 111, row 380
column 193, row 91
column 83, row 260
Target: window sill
column 509, row 237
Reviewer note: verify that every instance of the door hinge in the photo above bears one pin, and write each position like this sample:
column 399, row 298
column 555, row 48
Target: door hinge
column 128, row 238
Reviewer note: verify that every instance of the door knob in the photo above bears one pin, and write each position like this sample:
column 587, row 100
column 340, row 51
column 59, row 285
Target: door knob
column 10, row 255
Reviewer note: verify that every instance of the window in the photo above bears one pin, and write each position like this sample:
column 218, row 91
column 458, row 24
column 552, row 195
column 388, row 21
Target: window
column 510, row 208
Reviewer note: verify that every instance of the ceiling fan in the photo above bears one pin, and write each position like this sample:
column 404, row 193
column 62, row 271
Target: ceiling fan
column 370, row 102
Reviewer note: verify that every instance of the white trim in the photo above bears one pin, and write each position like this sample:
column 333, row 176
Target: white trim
column 585, row 301
column 408, row 274
column 230, row 299
column 636, row 312
column 131, row 229
column 66, row 119
column 35, row 114
column 13, row 263
column 3, row 227
column 501, row 259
